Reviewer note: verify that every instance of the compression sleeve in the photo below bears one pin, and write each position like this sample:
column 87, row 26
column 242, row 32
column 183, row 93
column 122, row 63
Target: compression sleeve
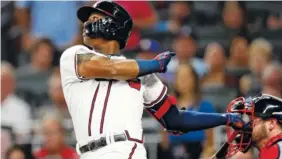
column 191, row 120
column 176, row 120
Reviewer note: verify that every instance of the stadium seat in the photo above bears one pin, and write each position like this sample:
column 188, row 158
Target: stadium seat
column 264, row 5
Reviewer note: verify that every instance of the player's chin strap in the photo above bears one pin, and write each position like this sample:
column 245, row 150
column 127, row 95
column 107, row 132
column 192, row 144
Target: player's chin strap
column 240, row 140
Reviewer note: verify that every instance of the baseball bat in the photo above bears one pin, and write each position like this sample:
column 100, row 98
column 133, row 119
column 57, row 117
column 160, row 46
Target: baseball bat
column 221, row 153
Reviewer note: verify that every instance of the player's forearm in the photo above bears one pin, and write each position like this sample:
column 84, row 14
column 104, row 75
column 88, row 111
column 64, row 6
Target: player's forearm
column 118, row 69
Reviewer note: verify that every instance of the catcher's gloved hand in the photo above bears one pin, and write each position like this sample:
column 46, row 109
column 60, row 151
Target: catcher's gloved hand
column 163, row 60
column 235, row 121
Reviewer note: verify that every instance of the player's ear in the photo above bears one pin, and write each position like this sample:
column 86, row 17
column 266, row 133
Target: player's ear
column 271, row 124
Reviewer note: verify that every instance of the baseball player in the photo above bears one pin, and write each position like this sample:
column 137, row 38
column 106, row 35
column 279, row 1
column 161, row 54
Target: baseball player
column 106, row 93
column 265, row 126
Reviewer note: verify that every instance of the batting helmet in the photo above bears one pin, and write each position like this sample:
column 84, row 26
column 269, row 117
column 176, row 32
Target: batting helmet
column 116, row 25
column 264, row 106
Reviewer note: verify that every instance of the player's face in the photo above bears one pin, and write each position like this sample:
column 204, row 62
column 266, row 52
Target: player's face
column 259, row 130
column 94, row 42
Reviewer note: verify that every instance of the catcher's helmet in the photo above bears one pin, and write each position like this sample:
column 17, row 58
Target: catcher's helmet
column 116, row 25
column 264, row 106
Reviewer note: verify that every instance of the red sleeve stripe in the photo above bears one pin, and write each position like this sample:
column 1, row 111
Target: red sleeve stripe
column 163, row 109
column 75, row 65
column 75, row 68
column 159, row 97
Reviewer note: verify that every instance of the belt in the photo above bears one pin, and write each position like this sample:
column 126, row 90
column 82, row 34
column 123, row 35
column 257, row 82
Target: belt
column 96, row 144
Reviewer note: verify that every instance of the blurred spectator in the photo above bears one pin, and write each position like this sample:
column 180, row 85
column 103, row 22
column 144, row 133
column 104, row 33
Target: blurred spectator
column 160, row 4
column 18, row 152
column 144, row 17
column 48, row 19
column 58, row 104
column 185, row 48
column 260, row 54
column 274, row 21
column 149, row 49
column 10, row 34
column 164, row 150
column 244, row 85
column 32, row 78
column 272, row 79
column 234, row 15
column 179, row 15
column 54, row 145
column 15, row 113
column 217, row 76
column 43, row 45
column 187, row 87
column 238, row 59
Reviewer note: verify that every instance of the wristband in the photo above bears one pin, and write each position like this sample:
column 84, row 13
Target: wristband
column 147, row 67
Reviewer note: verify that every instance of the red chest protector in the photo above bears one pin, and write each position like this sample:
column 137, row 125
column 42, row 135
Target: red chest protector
column 272, row 149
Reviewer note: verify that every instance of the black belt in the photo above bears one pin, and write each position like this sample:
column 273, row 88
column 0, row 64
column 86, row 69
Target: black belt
column 96, row 144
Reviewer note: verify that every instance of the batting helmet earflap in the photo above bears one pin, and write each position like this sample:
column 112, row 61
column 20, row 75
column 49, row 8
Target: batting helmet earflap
column 116, row 25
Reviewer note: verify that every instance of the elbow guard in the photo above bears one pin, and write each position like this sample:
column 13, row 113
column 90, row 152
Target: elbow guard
column 168, row 115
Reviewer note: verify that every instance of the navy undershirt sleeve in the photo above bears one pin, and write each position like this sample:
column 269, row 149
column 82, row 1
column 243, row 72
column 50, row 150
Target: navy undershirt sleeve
column 185, row 121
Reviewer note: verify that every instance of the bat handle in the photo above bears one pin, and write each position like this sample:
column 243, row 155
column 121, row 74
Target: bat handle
column 221, row 153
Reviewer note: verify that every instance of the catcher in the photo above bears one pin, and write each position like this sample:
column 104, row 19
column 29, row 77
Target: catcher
column 265, row 126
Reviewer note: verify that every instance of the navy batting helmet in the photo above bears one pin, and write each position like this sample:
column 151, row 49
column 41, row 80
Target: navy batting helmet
column 116, row 25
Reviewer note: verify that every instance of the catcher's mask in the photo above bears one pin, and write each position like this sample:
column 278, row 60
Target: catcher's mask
column 243, row 140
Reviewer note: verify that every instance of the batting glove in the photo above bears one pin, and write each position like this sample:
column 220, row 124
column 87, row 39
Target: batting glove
column 163, row 60
column 235, row 121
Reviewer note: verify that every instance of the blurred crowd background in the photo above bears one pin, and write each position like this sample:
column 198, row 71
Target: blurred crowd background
column 223, row 50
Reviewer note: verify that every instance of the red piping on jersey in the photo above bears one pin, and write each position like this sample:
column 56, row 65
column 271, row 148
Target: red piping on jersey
column 75, row 68
column 132, row 151
column 273, row 140
column 158, row 99
column 92, row 108
column 75, row 65
column 133, row 139
column 105, row 107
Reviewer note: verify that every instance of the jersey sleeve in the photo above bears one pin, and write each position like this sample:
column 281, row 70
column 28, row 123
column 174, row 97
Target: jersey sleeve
column 68, row 60
column 154, row 90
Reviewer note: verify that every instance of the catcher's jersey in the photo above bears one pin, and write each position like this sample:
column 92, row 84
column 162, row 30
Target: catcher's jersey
column 103, row 106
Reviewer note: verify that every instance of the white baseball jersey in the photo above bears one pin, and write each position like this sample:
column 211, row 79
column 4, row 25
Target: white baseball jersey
column 101, row 107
